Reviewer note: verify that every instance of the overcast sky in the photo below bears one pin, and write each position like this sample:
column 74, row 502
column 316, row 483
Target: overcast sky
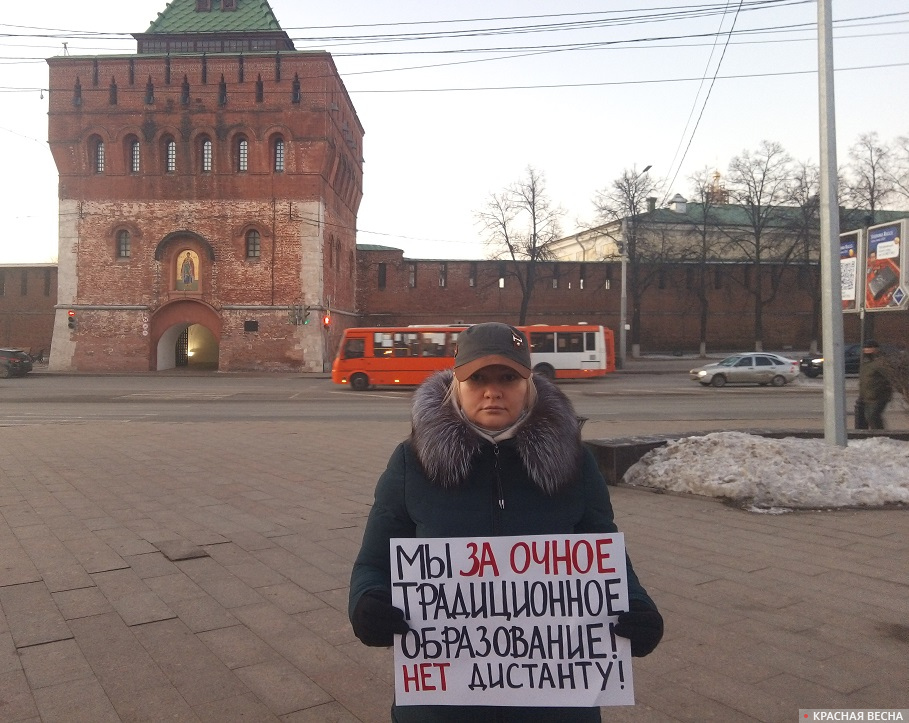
column 450, row 120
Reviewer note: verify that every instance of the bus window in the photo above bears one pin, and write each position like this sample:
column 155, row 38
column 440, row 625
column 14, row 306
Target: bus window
column 407, row 345
column 542, row 342
column 354, row 348
column 382, row 344
column 590, row 340
column 571, row 341
column 433, row 344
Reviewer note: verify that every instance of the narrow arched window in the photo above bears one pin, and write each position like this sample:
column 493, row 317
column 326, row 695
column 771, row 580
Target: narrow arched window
column 295, row 94
column 242, row 155
column 170, row 155
column 134, row 156
column 98, row 160
column 206, row 155
column 124, row 246
column 279, row 155
column 253, row 245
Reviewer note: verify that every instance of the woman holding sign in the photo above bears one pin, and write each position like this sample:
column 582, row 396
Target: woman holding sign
column 494, row 452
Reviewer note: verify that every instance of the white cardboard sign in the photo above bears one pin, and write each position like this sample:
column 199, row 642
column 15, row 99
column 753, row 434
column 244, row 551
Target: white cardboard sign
column 511, row 621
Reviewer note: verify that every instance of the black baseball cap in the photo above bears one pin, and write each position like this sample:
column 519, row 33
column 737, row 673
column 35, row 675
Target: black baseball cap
column 481, row 345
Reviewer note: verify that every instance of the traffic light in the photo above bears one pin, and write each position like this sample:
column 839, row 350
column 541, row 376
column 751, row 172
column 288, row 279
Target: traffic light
column 326, row 321
column 71, row 320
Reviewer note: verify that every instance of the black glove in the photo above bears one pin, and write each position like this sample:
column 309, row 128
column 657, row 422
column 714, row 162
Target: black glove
column 375, row 620
column 642, row 625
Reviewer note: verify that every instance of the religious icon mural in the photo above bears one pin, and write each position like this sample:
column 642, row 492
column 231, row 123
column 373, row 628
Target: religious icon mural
column 187, row 276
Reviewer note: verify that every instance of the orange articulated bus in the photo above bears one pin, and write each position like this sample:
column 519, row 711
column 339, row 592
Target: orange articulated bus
column 407, row 355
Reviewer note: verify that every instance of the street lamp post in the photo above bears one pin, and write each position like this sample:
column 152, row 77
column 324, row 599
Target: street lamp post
column 623, row 299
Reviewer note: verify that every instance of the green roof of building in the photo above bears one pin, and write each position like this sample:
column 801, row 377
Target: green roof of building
column 181, row 16
column 737, row 215
column 375, row 247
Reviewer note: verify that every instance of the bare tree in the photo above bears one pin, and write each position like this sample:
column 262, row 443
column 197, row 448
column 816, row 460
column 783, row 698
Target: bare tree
column 521, row 224
column 625, row 200
column 706, row 243
column 869, row 175
column 899, row 170
column 806, row 226
column 759, row 183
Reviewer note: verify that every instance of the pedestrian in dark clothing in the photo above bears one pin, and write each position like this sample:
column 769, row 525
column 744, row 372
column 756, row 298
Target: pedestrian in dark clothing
column 875, row 389
column 493, row 451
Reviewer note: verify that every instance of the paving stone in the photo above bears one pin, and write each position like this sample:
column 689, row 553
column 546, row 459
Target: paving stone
column 32, row 616
column 237, row 646
column 79, row 701
column 121, row 663
column 81, row 603
column 192, row 668
column 17, row 701
column 202, row 613
column 328, row 713
column 73, row 577
column 291, row 598
column 255, row 574
column 131, row 598
column 240, row 709
column 54, row 663
column 282, row 687
column 152, row 564
column 175, row 550
column 94, row 555
column 154, row 705
column 174, row 587
column 9, row 658
column 16, row 566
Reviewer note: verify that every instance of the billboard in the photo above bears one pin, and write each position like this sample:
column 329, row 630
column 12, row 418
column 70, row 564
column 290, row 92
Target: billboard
column 885, row 277
column 850, row 278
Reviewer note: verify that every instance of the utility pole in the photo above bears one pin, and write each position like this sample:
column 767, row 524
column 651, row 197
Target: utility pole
column 831, row 283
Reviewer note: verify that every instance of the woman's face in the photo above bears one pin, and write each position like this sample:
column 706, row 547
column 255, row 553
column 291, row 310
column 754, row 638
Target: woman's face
column 493, row 397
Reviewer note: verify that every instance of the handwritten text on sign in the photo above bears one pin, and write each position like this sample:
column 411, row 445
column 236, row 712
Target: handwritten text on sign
column 511, row 621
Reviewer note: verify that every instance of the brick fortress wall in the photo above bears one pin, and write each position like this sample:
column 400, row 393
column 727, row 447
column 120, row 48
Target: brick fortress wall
column 472, row 293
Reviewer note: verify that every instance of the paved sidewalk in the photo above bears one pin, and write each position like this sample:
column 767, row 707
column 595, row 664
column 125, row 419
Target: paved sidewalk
column 198, row 572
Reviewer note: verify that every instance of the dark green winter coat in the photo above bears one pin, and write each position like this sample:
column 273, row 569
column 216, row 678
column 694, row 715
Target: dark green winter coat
column 874, row 386
column 442, row 482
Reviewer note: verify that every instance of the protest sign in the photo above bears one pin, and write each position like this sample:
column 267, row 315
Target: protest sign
column 511, row 621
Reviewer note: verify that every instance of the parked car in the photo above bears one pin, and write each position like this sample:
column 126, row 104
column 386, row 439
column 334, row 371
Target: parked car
column 813, row 366
column 748, row 368
column 12, row 363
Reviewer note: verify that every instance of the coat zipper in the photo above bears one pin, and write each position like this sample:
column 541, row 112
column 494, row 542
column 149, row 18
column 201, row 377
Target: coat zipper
column 495, row 452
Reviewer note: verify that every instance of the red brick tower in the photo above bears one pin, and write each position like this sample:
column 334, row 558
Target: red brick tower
column 209, row 188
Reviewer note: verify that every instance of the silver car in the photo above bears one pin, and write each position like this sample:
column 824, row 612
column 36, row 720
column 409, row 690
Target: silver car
column 749, row 368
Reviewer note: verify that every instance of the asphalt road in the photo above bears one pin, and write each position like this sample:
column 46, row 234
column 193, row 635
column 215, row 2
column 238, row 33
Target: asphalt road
column 623, row 403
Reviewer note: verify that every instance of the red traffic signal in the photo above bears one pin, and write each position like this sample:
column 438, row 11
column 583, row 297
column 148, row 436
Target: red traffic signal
column 72, row 318
column 326, row 320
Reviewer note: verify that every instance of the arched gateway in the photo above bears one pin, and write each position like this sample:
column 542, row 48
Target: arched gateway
column 184, row 333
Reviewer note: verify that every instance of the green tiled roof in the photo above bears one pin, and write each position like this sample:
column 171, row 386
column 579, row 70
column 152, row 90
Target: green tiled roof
column 736, row 215
column 375, row 247
column 180, row 16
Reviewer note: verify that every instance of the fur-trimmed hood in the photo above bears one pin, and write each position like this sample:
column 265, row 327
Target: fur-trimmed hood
column 548, row 441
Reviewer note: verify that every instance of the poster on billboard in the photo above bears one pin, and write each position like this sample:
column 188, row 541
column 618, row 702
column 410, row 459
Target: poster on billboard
column 885, row 268
column 850, row 278
column 511, row 621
